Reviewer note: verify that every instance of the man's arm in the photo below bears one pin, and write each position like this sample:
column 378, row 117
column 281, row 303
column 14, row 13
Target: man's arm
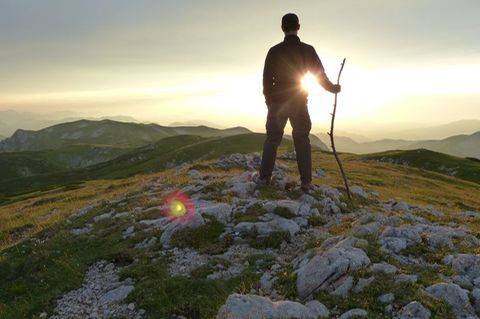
column 316, row 68
column 268, row 77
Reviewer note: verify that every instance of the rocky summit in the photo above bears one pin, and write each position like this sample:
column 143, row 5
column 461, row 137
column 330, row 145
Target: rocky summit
column 244, row 251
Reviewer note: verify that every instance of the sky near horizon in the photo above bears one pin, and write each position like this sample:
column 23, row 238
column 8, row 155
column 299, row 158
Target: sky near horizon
column 409, row 62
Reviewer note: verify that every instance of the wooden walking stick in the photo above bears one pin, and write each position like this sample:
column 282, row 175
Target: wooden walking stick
column 332, row 141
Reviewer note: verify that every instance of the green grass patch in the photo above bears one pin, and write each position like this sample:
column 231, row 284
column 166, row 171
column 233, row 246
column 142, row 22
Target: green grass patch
column 273, row 240
column 251, row 214
column 204, row 238
column 164, row 296
column 284, row 212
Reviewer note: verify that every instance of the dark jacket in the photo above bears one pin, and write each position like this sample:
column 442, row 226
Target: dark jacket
column 285, row 66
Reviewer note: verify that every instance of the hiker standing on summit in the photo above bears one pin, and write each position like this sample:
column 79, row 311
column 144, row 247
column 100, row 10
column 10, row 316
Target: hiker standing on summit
column 285, row 66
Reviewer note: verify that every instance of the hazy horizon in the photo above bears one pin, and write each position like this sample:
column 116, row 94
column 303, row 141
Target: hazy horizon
column 409, row 64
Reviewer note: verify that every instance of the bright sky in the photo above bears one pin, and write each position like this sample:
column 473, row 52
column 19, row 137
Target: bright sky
column 408, row 62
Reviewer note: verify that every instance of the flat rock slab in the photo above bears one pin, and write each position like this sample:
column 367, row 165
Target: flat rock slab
column 326, row 268
column 256, row 307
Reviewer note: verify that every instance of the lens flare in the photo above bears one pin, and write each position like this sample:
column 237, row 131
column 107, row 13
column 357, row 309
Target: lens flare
column 178, row 207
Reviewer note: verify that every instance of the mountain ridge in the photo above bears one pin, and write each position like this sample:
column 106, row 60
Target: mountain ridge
column 460, row 145
column 106, row 132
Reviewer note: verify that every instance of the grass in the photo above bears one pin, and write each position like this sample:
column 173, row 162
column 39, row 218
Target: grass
column 463, row 168
column 40, row 260
column 204, row 238
column 164, row 296
column 284, row 212
column 251, row 214
column 272, row 240
column 368, row 298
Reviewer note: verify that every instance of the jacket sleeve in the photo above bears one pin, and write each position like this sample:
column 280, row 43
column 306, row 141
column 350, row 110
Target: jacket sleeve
column 316, row 68
column 268, row 77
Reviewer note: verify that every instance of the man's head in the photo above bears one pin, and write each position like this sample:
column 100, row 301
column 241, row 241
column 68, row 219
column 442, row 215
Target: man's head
column 290, row 23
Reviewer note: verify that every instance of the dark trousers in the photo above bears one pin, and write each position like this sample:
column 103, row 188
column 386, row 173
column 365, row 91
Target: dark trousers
column 277, row 117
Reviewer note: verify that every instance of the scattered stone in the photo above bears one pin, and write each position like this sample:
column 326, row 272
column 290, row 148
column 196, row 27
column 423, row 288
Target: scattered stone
column 357, row 190
column 319, row 173
column 122, row 215
column 183, row 261
column 324, row 269
column 101, row 217
column 330, row 207
column 292, row 156
column 266, row 228
column 403, row 206
column 82, row 231
column 266, row 282
column 370, row 229
column 116, row 295
column 318, row 309
column 193, row 173
column 413, row 310
column 383, row 267
column 252, row 306
column 363, row 283
column 343, row 286
column 220, row 211
column 171, row 228
column 146, row 243
column 395, row 239
column 128, row 232
column 353, row 313
column 101, row 294
column 251, row 161
column 467, row 265
column 386, row 298
column 476, row 299
column 454, row 296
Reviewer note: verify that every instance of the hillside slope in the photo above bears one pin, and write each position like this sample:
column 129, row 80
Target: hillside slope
column 108, row 247
column 165, row 153
column 106, row 132
column 460, row 145
column 31, row 163
column 467, row 169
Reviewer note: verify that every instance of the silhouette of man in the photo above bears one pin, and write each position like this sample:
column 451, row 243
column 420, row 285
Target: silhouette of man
column 285, row 66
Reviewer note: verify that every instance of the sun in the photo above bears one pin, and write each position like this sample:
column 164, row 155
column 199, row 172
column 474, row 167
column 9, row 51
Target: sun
column 309, row 83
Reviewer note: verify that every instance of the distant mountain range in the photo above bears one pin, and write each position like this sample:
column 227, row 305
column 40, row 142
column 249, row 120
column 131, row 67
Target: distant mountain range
column 10, row 120
column 105, row 132
column 460, row 145
column 22, row 172
column 463, row 127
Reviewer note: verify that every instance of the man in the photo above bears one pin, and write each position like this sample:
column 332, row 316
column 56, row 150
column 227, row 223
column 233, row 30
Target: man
column 285, row 66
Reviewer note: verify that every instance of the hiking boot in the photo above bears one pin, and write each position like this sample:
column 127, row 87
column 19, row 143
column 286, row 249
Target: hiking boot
column 307, row 188
column 259, row 181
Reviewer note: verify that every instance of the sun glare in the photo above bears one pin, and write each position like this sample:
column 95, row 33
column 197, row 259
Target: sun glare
column 309, row 83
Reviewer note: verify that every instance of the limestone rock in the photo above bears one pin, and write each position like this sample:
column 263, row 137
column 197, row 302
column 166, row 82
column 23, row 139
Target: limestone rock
column 174, row 226
column 383, row 267
column 354, row 313
column 266, row 228
column 326, row 268
column 467, row 265
column 252, row 307
column 386, row 298
column 357, row 190
column 454, row 296
column 220, row 211
column 318, row 309
column 413, row 310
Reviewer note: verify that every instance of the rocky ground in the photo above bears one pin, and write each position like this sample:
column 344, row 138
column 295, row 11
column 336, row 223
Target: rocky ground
column 317, row 255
